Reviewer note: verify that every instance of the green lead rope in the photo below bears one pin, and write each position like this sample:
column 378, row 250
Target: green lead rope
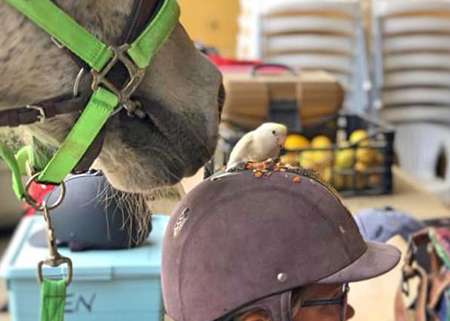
column 53, row 299
column 25, row 159
column 13, row 165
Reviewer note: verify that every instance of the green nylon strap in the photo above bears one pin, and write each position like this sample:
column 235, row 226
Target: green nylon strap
column 7, row 155
column 100, row 107
column 24, row 159
column 66, row 30
column 440, row 250
column 155, row 34
column 53, row 299
column 94, row 52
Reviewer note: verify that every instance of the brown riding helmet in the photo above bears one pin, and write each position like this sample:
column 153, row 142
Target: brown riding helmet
column 257, row 234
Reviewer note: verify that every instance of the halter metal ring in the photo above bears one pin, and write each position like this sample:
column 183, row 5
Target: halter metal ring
column 55, row 262
column 124, row 92
column 34, row 203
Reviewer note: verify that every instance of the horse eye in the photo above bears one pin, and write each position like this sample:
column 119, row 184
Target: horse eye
column 274, row 132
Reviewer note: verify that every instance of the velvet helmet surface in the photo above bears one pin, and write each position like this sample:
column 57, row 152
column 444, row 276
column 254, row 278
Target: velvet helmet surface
column 91, row 217
column 246, row 235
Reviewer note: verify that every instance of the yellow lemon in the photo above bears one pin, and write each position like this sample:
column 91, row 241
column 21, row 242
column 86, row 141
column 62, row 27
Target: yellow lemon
column 361, row 167
column 339, row 181
column 335, row 179
column 366, row 155
column 321, row 141
column 306, row 160
column 359, row 136
column 295, row 141
column 363, row 154
column 325, row 174
column 344, row 158
column 322, row 157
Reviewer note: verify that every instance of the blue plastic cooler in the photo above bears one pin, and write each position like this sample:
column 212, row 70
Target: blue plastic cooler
column 119, row 285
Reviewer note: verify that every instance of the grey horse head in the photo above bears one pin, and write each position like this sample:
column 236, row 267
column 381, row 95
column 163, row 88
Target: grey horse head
column 181, row 94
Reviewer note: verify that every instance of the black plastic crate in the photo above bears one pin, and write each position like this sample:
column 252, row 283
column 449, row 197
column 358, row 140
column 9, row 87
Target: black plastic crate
column 373, row 180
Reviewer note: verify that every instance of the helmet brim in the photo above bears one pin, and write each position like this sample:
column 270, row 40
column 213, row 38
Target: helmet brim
column 378, row 259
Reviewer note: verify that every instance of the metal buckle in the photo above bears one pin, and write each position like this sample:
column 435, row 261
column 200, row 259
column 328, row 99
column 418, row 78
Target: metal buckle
column 55, row 259
column 42, row 116
column 55, row 262
column 76, row 84
column 136, row 76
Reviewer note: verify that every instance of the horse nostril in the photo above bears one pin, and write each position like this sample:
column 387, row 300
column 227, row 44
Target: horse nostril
column 221, row 99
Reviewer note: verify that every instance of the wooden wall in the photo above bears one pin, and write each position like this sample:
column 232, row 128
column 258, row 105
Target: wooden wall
column 212, row 22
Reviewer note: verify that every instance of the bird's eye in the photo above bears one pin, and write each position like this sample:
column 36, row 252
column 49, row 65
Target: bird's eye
column 274, row 132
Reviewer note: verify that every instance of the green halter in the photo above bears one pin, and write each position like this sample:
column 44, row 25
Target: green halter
column 101, row 58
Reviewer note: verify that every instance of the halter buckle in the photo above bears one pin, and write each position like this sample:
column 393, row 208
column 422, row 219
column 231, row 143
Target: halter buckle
column 56, row 262
column 136, row 75
column 42, row 116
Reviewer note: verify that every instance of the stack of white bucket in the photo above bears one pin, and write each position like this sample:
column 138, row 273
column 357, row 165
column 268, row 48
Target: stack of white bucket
column 309, row 35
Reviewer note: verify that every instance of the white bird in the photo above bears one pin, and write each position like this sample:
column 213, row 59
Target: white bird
column 259, row 145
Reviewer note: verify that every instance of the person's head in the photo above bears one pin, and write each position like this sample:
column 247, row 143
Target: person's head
column 265, row 243
column 324, row 302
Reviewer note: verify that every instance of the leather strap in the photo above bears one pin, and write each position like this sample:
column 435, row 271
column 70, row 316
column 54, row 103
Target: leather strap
column 141, row 14
column 431, row 286
column 420, row 306
column 91, row 154
column 439, row 284
column 43, row 110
